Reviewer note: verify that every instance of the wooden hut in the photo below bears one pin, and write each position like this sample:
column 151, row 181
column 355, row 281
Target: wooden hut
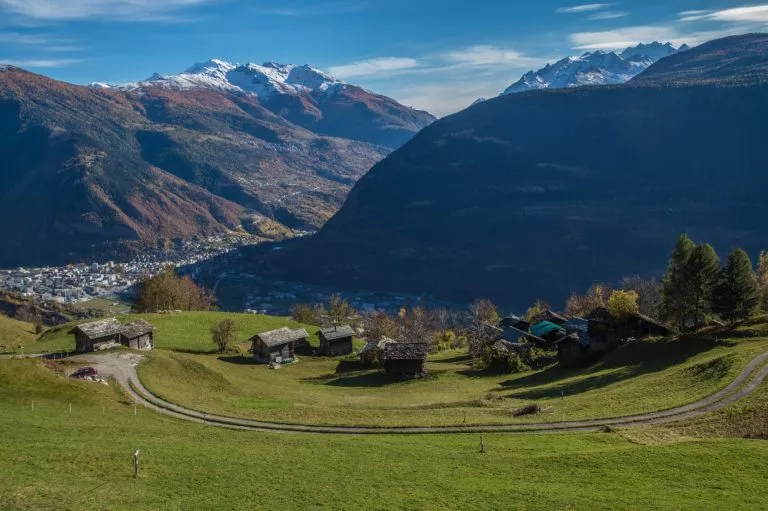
column 604, row 325
column 278, row 346
column 336, row 341
column 110, row 333
column 97, row 335
column 405, row 358
column 138, row 335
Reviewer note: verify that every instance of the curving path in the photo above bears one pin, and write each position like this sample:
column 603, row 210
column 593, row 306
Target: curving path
column 122, row 367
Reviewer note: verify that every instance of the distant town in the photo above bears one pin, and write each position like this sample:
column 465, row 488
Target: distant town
column 77, row 283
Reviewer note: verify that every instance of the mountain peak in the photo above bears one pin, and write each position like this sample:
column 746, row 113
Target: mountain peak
column 599, row 67
column 211, row 65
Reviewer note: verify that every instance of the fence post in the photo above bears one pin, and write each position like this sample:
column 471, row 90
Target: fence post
column 136, row 464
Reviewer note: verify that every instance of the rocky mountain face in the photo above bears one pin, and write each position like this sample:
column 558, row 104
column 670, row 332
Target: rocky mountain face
column 595, row 68
column 541, row 194
column 304, row 96
column 103, row 171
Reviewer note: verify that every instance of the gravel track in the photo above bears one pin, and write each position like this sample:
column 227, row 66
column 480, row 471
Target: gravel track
column 122, row 367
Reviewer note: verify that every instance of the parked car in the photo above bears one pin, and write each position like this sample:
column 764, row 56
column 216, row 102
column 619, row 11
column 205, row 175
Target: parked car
column 85, row 372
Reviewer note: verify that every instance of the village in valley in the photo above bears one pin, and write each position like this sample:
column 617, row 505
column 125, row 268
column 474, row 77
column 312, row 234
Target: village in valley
column 81, row 282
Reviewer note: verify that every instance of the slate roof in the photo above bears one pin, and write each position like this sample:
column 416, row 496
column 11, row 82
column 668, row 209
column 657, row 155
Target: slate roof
column 372, row 345
column 281, row 336
column 576, row 325
column 99, row 329
column 137, row 329
column 338, row 332
column 406, row 351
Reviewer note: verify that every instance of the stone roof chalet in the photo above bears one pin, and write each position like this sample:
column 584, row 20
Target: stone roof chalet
column 137, row 329
column 99, row 329
column 281, row 336
column 406, row 351
column 110, row 327
column 337, row 332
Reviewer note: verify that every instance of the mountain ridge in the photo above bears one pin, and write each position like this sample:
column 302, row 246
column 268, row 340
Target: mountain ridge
column 588, row 183
column 99, row 171
column 595, row 68
column 302, row 94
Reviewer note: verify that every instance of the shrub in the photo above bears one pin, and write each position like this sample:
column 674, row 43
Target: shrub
column 169, row 291
column 223, row 333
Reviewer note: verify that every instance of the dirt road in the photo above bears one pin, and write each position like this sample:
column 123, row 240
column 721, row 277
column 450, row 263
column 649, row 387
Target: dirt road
column 122, row 367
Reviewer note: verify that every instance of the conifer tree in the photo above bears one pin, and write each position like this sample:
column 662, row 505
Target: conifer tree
column 702, row 269
column 674, row 303
column 735, row 297
column 762, row 280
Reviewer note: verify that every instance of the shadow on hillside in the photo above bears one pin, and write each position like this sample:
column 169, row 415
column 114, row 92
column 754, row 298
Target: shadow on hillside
column 453, row 360
column 627, row 361
column 192, row 351
column 573, row 388
column 240, row 360
column 360, row 379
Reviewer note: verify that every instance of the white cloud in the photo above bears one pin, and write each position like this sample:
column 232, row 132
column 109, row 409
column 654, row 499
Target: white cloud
column 374, row 66
column 608, row 15
column 622, row 37
column 85, row 9
column 583, row 8
column 40, row 63
column 488, row 55
column 749, row 14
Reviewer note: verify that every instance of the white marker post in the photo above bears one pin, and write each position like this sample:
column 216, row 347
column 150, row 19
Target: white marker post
column 136, row 464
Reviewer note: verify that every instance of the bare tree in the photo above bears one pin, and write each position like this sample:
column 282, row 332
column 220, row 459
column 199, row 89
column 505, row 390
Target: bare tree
column 340, row 312
column 484, row 317
column 223, row 334
column 648, row 291
column 380, row 325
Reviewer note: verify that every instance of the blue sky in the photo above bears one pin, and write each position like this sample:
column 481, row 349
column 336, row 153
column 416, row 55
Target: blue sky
column 438, row 55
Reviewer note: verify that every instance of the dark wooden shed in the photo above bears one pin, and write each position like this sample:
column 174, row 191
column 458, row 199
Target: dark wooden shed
column 138, row 335
column 604, row 325
column 405, row 358
column 336, row 341
column 110, row 333
column 278, row 346
column 97, row 335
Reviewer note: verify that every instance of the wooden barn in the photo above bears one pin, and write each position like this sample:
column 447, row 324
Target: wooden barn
column 110, row 333
column 405, row 358
column 97, row 335
column 278, row 346
column 138, row 335
column 604, row 325
column 336, row 341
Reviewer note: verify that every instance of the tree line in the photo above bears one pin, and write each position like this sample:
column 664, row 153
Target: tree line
column 697, row 285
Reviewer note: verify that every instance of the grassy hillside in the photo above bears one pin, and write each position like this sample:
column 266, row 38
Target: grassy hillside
column 51, row 459
column 14, row 333
column 189, row 331
column 639, row 377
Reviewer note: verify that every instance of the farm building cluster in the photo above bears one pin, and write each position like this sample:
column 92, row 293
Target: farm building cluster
column 578, row 341
column 281, row 346
column 110, row 333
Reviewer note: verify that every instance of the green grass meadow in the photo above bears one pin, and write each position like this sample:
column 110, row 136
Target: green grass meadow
column 51, row 459
column 54, row 458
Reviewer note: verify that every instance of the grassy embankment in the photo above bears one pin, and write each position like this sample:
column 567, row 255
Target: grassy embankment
column 636, row 378
column 51, row 459
column 14, row 333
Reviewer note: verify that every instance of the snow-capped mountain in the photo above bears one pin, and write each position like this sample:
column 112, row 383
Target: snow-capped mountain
column 595, row 68
column 301, row 95
column 263, row 80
